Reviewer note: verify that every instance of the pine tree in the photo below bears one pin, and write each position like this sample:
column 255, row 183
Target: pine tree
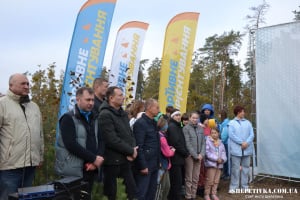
column 151, row 88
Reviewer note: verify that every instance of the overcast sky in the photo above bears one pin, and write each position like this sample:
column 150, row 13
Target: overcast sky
column 39, row 32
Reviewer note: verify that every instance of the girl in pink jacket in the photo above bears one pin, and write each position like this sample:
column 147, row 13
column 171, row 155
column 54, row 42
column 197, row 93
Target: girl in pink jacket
column 165, row 164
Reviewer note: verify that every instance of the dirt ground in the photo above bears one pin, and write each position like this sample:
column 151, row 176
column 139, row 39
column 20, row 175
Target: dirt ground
column 282, row 190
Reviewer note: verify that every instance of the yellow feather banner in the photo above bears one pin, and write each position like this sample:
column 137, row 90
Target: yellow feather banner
column 176, row 60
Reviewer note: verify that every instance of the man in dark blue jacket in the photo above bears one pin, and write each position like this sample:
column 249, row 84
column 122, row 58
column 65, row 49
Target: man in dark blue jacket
column 147, row 163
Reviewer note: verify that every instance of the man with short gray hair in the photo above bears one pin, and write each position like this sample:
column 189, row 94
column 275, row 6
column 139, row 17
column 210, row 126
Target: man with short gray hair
column 147, row 162
column 21, row 137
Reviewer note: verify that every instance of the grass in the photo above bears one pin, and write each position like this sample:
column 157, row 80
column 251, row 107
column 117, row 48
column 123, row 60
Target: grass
column 97, row 193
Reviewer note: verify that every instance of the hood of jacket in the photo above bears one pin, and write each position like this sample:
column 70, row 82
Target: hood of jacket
column 208, row 107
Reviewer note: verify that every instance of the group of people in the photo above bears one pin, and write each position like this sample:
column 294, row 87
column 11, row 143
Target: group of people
column 154, row 153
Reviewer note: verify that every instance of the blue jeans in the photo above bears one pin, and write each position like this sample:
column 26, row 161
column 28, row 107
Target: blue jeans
column 147, row 185
column 13, row 179
column 236, row 174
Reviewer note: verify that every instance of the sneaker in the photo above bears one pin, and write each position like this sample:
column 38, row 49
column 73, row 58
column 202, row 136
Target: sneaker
column 231, row 191
column 206, row 197
column 214, row 197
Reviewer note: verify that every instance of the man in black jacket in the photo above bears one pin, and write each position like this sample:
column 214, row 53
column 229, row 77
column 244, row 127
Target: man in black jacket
column 119, row 142
column 78, row 151
column 100, row 86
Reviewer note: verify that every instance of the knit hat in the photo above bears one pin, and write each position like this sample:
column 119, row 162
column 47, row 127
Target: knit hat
column 175, row 112
column 212, row 123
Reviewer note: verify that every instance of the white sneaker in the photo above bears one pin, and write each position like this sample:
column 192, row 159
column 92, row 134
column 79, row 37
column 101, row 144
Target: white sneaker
column 232, row 191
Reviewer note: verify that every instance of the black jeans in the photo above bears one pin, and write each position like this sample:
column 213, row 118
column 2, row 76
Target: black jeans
column 226, row 166
column 111, row 173
column 89, row 177
column 176, row 176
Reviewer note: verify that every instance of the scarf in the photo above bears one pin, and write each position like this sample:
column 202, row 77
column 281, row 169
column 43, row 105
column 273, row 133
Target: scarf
column 86, row 114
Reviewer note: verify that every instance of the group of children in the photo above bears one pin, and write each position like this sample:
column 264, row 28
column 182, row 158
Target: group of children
column 205, row 152
column 202, row 140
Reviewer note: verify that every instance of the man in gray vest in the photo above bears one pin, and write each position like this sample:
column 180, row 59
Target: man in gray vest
column 78, row 152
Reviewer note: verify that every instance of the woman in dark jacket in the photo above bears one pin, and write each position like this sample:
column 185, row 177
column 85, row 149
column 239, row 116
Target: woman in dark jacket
column 176, row 139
